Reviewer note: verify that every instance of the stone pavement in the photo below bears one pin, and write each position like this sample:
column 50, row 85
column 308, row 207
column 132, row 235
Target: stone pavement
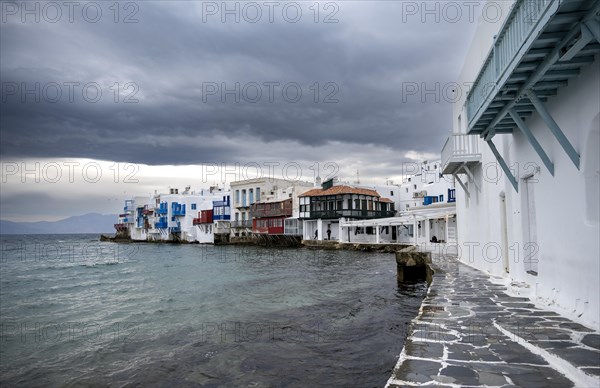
column 471, row 333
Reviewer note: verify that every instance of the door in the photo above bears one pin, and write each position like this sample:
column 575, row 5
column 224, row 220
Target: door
column 504, row 232
column 530, row 246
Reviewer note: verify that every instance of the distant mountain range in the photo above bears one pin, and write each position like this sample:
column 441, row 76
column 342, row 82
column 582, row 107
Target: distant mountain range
column 87, row 223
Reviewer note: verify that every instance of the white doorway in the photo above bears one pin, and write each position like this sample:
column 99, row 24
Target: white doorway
column 504, row 233
column 530, row 246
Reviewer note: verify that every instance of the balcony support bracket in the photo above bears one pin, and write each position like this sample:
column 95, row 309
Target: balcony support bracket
column 586, row 37
column 504, row 166
column 532, row 140
column 593, row 25
column 554, row 128
column 471, row 176
column 466, row 190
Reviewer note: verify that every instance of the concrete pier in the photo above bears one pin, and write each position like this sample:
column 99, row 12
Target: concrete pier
column 413, row 265
column 471, row 332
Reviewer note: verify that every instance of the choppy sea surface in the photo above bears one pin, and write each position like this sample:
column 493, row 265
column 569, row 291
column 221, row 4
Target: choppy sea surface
column 75, row 311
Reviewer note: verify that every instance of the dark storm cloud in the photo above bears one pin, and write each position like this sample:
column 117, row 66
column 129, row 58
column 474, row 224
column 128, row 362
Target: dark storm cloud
column 171, row 56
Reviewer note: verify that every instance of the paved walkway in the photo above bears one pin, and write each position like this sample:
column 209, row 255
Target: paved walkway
column 470, row 332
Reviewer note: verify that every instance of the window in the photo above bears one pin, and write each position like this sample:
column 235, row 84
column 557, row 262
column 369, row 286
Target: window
column 391, row 193
column 193, row 206
column 442, row 198
column 415, row 186
column 257, row 194
column 173, row 218
column 407, row 189
column 237, row 196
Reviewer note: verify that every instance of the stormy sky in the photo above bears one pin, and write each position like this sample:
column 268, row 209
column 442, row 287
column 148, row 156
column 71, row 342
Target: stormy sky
column 164, row 83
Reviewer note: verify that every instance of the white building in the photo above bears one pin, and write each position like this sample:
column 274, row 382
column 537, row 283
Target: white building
column 249, row 191
column 525, row 153
column 425, row 187
column 175, row 216
column 426, row 212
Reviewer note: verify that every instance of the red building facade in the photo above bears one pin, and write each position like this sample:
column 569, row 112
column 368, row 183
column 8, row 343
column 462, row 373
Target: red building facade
column 268, row 217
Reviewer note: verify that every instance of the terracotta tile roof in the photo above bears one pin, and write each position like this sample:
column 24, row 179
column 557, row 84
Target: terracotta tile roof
column 335, row 190
column 385, row 200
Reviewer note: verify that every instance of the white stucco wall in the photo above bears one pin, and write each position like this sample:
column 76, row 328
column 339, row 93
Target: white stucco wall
column 567, row 235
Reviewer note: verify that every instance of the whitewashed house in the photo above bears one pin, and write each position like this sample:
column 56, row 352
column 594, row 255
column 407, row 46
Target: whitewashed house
column 174, row 216
column 426, row 186
column 525, row 153
column 426, row 216
column 247, row 192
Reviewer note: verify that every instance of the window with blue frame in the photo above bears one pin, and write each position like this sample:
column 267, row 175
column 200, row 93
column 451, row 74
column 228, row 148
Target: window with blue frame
column 172, row 218
column 193, row 206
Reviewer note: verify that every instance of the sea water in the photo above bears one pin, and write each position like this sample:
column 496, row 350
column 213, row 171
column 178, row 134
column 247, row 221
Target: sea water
column 75, row 311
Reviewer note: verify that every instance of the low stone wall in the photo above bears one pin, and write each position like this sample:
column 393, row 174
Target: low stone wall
column 363, row 247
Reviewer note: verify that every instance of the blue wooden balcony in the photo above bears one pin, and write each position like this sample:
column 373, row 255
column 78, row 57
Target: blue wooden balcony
column 162, row 208
column 177, row 209
column 161, row 224
column 540, row 46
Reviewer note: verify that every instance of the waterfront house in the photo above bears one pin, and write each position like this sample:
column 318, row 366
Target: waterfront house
column 426, row 212
column 524, row 153
column 268, row 217
column 247, row 192
column 175, row 216
column 321, row 209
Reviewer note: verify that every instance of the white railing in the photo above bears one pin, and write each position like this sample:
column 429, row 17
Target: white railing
column 459, row 146
column 518, row 27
